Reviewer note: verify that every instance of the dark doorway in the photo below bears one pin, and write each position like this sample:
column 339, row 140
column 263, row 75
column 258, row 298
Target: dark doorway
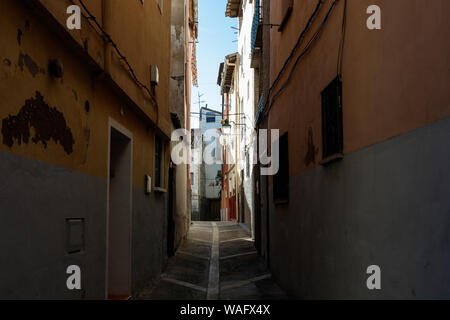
column 171, row 214
column 258, row 206
column 242, row 199
column 119, row 217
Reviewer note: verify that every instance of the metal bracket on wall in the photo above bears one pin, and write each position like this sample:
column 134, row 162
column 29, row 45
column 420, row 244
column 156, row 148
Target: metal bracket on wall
column 272, row 25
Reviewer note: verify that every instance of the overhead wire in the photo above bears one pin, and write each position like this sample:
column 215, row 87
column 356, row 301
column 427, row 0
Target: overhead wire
column 341, row 45
column 294, row 49
column 103, row 33
column 300, row 56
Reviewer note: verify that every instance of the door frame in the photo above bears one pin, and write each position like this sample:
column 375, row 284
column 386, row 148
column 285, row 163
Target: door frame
column 113, row 124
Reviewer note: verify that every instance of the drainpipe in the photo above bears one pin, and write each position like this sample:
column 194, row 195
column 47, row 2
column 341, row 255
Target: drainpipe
column 222, row 104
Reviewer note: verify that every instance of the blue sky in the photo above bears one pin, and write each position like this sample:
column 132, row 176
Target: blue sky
column 215, row 42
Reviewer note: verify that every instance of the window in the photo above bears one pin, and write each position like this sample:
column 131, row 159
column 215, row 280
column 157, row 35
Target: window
column 159, row 172
column 332, row 131
column 210, row 117
column 286, row 11
column 281, row 179
column 192, row 178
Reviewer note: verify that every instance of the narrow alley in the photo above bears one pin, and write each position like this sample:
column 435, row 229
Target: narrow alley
column 224, row 150
column 218, row 260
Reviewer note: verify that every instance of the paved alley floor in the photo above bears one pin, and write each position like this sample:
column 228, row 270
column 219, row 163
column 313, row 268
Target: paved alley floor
column 217, row 261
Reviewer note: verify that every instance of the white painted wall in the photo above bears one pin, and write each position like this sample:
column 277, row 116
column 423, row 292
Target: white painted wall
column 247, row 99
column 210, row 136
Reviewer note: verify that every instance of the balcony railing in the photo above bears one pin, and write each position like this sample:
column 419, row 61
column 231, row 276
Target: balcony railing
column 255, row 25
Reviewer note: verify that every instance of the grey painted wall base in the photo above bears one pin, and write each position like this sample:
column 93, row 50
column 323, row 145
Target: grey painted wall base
column 149, row 236
column 388, row 205
column 36, row 198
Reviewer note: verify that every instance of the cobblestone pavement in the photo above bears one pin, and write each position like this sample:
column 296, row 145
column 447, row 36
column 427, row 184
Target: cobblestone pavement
column 217, row 261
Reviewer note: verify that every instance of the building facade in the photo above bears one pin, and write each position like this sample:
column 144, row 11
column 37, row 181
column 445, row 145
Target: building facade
column 364, row 124
column 210, row 166
column 184, row 32
column 195, row 168
column 85, row 146
column 248, row 73
column 228, row 80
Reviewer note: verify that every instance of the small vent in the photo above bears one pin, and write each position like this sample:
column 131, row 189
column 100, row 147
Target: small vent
column 154, row 75
column 75, row 236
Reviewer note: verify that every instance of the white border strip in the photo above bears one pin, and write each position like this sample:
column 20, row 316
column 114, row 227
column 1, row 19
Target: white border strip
column 239, row 255
column 183, row 283
column 214, row 275
column 237, row 239
column 245, row 282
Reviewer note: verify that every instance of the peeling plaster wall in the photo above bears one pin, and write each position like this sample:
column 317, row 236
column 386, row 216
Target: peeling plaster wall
column 177, row 105
column 137, row 28
column 59, row 171
column 177, row 68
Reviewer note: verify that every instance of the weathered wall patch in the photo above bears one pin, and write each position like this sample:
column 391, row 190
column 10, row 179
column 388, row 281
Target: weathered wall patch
column 25, row 59
column 48, row 123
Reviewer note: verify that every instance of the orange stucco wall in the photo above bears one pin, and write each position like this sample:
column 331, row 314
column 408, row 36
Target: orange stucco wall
column 394, row 79
column 132, row 23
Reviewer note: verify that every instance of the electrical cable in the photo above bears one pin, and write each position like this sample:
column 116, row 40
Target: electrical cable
column 302, row 54
column 114, row 45
column 294, row 49
column 341, row 45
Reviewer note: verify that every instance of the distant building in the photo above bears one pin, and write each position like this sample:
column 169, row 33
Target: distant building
column 210, row 123
column 247, row 91
column 228, row 81
column 184, row 32
column 195, row 167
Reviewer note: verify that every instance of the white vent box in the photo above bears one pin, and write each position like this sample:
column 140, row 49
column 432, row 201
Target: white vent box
column 154, row 75
column 148, row 184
